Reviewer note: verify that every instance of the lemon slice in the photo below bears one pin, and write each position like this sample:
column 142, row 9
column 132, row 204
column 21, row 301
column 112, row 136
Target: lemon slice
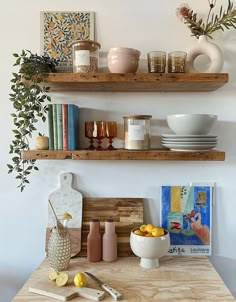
column 53, row 275
column 80, row 280
column 67, row 216
column 62, row 279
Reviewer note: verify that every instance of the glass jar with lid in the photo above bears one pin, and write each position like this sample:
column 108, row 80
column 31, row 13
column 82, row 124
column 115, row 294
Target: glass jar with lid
column 85, row 56
column 137, row 132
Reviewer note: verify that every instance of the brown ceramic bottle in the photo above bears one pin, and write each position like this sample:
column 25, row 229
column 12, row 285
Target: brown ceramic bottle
column 94, row 242
column 109, row 242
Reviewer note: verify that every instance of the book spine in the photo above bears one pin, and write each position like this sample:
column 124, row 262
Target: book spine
column 76, row 124
column 59, row 127
column 50, row 127
column 65, row 126
column 73, row 131
column 54, row 110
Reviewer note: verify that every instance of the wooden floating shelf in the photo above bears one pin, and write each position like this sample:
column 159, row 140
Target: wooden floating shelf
column 140, row 82
column 121, row 154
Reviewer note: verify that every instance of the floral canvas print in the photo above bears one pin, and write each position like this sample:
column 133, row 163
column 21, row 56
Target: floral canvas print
column 186, row 212
column 59, row 29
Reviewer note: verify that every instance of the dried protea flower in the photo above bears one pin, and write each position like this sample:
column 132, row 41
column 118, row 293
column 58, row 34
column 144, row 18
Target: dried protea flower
column 226, row 19
column 184, row 12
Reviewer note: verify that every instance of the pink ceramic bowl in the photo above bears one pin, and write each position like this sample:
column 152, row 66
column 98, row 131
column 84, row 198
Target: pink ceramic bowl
column 123, row 60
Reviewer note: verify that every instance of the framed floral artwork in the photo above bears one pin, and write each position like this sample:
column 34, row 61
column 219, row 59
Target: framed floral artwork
column 59, row 29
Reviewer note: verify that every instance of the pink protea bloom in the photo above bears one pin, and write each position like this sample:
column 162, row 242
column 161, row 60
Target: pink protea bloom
column 183, row 12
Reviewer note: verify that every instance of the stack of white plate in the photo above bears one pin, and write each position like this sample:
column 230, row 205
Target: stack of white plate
column 188, row 142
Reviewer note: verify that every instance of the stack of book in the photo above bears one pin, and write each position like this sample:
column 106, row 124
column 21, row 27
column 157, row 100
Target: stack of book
column 63, row 126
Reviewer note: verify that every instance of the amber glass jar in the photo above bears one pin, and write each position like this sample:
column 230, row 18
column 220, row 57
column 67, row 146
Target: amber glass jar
column 85, row 56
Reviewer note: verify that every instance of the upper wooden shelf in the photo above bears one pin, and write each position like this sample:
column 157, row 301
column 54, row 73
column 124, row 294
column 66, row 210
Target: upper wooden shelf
column 121, row 154
column 129, row 82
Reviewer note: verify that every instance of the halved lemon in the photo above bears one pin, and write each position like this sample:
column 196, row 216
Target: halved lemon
column 62, row 279
column 53, row 275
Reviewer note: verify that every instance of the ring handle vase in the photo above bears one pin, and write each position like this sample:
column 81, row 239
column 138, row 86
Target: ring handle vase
column 204, row 46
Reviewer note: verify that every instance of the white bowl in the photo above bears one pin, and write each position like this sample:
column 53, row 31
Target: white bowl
column 123, row 60
column 149, row 249
column 191, row 124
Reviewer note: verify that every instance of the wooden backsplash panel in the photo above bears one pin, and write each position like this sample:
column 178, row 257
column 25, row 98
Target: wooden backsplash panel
column 126, row 212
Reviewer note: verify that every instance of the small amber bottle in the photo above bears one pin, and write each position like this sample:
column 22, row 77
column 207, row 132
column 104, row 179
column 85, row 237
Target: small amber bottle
column 94, row 241
column 109, row 242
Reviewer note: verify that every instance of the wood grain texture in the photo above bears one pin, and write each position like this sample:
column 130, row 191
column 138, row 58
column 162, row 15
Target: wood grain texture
column 147, row 82
column 121, row 154
column 178, row 279
column 126, row 212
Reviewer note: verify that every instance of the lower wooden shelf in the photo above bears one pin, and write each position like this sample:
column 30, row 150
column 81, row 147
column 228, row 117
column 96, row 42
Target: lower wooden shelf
column 121, row 154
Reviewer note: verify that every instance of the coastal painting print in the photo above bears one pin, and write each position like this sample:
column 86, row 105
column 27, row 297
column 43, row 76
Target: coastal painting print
column 59, row 29
column 186, row 211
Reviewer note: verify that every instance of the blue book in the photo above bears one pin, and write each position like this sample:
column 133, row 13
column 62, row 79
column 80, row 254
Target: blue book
column 73, row 127
column 59, row 127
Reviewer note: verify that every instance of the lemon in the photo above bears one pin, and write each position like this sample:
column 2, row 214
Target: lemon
column 138, row 232
column 53, row 275
column 67, row 216
column 62, row 279
column 143, row 227
column 80, row 280
column 157, row 231
column 149, row 228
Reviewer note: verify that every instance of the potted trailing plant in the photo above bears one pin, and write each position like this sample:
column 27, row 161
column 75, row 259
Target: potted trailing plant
column 29, row 98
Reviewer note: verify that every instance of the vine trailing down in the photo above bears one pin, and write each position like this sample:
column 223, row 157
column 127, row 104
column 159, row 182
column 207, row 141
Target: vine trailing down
column 225, row 19
column 29, row 100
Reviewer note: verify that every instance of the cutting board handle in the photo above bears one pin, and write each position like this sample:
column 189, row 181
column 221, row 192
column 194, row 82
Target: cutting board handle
column 66, row 180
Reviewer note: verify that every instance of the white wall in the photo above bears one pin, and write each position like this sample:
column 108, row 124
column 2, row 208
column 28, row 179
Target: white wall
column 145, row 25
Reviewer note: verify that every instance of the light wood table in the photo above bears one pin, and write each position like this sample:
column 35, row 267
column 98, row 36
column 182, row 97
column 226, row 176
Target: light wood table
column 184, row 279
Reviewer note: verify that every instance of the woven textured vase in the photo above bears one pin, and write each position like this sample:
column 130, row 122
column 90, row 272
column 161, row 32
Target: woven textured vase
column 59, row 249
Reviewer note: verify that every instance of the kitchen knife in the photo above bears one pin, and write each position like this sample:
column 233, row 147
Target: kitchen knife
column 114, row 293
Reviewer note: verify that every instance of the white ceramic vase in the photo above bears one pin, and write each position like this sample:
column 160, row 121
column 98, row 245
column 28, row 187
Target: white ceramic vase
column 210, row 49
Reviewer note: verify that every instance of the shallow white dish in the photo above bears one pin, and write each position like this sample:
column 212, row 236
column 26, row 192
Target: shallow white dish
column 189, row 143
column 190, row 139
column 190, row 147
column 187, row 136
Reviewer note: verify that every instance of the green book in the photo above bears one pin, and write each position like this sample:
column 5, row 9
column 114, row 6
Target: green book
column 59, row 127
column 54, row 111
column 50, row 127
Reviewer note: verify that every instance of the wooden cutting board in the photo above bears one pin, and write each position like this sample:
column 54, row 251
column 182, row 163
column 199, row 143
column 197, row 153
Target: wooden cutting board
column 126, row 212
column 64, row 293
column 66, row 199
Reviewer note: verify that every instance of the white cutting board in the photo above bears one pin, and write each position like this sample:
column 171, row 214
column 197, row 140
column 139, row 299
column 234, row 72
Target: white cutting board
column 66, row 199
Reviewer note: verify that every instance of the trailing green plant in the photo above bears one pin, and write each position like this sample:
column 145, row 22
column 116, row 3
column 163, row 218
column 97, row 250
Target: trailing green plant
column 225, row 19
column 29, row 98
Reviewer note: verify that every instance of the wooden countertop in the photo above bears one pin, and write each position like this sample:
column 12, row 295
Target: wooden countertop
column 182, row 279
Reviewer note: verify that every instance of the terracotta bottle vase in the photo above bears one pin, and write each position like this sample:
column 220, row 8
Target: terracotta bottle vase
column 94, row 241
column 204, row 46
